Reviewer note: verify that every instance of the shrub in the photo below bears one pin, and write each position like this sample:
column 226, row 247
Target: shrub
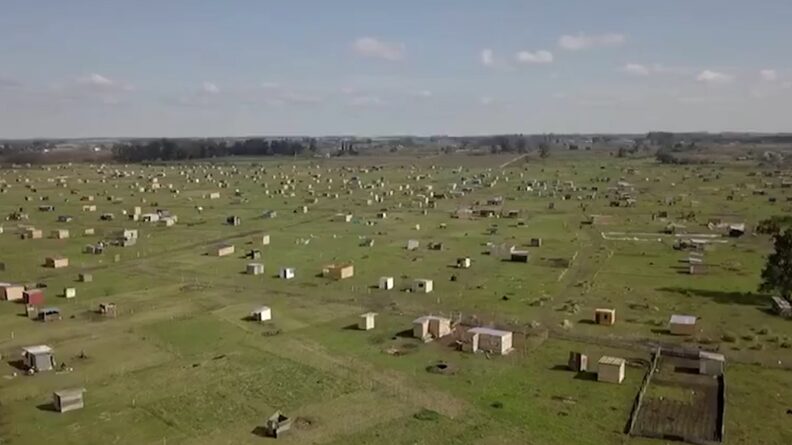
column 428, row 415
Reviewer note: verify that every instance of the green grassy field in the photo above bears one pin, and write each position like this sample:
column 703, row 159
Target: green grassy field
column 181, row 364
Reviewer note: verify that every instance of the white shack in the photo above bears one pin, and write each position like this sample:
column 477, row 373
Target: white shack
column 490, row 340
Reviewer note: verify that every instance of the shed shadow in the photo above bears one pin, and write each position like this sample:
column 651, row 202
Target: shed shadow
column 49, row 407
column 586, row 375
column 407, row 333
column 746, row 298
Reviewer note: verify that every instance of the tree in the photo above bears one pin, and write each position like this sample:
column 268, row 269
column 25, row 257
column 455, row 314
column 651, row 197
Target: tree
column 544, row 149
column 777, row 273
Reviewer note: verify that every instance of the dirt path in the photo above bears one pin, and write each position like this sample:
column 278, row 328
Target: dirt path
column 507, row 163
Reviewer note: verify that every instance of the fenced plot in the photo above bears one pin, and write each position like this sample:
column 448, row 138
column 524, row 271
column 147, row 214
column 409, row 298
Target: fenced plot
column 680, row 404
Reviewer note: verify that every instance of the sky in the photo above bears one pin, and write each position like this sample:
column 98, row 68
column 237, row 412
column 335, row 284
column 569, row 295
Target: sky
column 174, row 68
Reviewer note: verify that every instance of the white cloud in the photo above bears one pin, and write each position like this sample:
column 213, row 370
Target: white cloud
column 714, row 77
column 768, row 75
column 96, row 80
column 372, row 47
column 210, row 88
column 424, row 93
column 487, row 57
column 581, row 41
column 267, row 85
column 486, row 100
column 99, row 83
column 637, row 69
column 786, row 85
column 538, row 57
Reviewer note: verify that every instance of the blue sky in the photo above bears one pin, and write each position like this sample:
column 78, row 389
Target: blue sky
column 244, row 67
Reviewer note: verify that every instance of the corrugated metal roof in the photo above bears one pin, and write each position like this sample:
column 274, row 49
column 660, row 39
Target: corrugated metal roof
column 683, row 319
column 489, row 331
column 616, row 361
column 711, row 356
column 430, row 317
column 38, row 349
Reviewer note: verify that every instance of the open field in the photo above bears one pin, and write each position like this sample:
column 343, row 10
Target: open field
column 181, row 364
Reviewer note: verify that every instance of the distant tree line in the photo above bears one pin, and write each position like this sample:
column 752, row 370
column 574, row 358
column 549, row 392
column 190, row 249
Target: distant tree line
column 508, row 143
column 184, row 149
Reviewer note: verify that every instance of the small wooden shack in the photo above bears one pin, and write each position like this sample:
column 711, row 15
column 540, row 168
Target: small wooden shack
column 366, row 321
column 386, row 283
column 68, row 400
column 577, row 362
column 286, row 273
column 49, row 314
column 57, row 262
column 254, row 269
column 12, row 292
column 60, row 234
column 463, row 263
column 489, row 340
column 610, row 369
column 338, row 271
column 606, row 317
column 32, row 233
column 277, row 424
column 69, row 292
column 683, row 324
column 33, row 296
column 422, row 285
column 223, row 250
column 781, row 307
column 520, row 256
column 263, row 313
column 430, row 327
column 412, row 244
column 108, row 309
column 711, row 363
column 38, row 358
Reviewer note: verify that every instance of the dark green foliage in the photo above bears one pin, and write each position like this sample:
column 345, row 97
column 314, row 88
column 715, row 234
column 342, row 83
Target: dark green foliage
column 774, row 224
column 428, row 415
column 176, row 150
column 777, row 274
